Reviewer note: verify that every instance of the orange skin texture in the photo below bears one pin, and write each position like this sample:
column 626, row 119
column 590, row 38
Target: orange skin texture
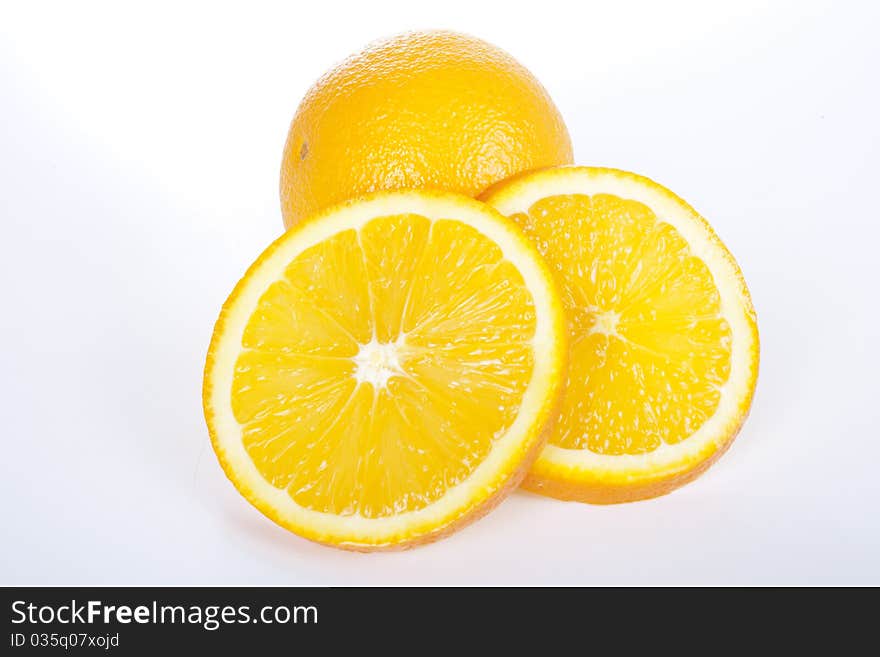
column 436, row 110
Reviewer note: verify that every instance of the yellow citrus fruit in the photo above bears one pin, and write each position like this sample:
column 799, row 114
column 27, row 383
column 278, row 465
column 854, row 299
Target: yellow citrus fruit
column 433, row 110
column 386, row 370
column 663, row 336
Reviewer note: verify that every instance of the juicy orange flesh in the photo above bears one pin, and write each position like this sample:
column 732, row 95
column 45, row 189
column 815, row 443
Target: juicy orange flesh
column 649, row 348
column 378, row 371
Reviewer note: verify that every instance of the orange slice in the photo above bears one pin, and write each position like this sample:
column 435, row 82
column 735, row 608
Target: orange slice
column 663, row 335
column 385, row 371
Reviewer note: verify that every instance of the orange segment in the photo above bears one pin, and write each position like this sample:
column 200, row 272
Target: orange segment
column 333, row 277
column 393, row 250
column 286, row 320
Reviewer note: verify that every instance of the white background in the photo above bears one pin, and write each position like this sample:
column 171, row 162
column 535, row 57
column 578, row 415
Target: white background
column 139, row 157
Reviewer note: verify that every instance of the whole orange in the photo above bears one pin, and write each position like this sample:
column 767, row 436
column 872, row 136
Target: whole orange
column 432, row 109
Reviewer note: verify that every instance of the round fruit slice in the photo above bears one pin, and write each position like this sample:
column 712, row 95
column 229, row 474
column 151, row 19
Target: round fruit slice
column 385, row 371
column 663, row 338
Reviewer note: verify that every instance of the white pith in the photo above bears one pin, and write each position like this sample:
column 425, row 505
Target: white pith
column 606, row 322
column 735, row 308
column 376, row 363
